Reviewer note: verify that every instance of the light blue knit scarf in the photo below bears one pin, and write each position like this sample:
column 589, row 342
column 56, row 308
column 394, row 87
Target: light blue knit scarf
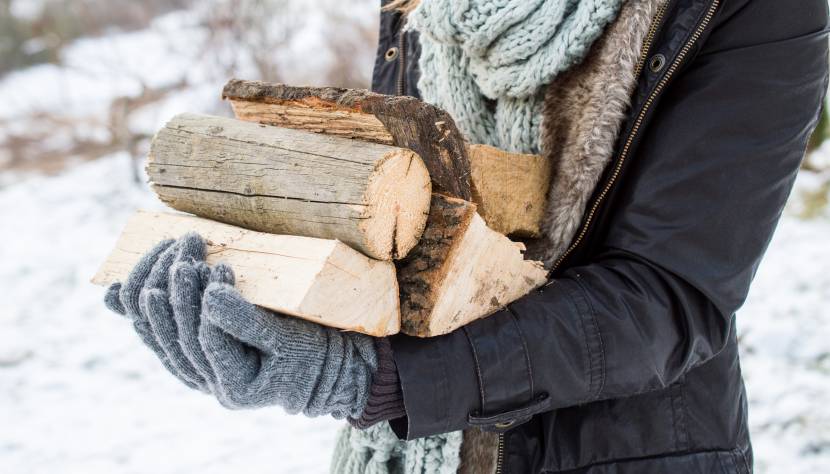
column 377, row 450
column 486, row 62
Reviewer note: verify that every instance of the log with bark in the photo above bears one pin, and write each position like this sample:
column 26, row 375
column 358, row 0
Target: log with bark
column 509, row 188
column 373, row 197
column 355, row 113
column 460, row 271
column 319, row 280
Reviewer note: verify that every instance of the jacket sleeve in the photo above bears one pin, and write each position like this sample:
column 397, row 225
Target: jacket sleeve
column 692, row 219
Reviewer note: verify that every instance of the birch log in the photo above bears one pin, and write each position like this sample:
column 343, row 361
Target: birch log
column 460, row 271
column 373, row 197
column 510, row 189
column 323, row 281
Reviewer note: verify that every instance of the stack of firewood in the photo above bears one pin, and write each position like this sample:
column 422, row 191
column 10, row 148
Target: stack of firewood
column 355, row 210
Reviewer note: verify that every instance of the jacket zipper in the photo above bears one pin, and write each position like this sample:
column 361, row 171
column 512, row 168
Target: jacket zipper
column 500, row 455
column 401, row 61
column 655, row 25
column 713, row 7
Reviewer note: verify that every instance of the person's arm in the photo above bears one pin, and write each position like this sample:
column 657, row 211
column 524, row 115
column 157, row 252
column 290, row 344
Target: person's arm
column 696, row 212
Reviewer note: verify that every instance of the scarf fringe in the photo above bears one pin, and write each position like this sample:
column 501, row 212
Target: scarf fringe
column 377, row 450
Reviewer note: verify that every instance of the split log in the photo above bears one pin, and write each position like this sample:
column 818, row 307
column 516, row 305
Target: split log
column 323, row 281
column 373, row 197
column 460, row 271
column 509, row 188
column 355, row 113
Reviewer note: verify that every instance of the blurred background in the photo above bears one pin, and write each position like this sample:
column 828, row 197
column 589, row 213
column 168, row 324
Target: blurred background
column 84, row 84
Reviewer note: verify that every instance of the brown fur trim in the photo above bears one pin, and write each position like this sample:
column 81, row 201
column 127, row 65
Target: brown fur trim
column 479, row 450
column 583, row 112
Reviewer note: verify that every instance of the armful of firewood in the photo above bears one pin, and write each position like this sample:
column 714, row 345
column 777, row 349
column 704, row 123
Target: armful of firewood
column 358, row 180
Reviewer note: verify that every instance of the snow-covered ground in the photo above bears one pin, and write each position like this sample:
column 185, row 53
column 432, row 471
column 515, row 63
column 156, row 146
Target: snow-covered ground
column 784, row 331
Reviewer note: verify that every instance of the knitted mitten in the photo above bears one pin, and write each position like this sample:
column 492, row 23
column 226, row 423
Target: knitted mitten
column 212, row 339
column 143, row 298
column 262, row 358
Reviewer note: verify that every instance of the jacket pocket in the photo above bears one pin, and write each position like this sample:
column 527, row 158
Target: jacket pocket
column 646, row 425
column 701, row 462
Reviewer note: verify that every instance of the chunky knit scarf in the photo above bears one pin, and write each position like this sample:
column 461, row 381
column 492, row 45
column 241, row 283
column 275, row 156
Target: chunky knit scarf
column 486, row 62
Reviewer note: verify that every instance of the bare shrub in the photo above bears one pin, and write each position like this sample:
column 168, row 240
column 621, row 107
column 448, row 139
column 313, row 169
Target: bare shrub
column 329, row 43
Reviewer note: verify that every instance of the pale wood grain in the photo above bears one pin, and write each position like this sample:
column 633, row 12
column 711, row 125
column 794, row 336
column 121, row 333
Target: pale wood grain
column 410, row 123
column 306, row 116
column 315, row 279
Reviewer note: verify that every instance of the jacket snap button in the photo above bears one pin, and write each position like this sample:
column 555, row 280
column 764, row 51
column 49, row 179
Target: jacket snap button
column 504, row 424
column 391, row 54
column 658, row 61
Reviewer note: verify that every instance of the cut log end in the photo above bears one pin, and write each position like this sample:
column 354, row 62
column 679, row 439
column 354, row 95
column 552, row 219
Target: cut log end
column 398, row 194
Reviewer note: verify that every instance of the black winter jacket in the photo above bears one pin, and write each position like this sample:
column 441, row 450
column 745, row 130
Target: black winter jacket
column 627, row 361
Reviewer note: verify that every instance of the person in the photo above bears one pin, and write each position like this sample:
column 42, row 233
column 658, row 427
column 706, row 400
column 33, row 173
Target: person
column 675, row 130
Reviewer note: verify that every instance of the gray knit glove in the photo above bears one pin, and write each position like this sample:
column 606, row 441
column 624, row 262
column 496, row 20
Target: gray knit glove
column 211, row 338
column 144, row 298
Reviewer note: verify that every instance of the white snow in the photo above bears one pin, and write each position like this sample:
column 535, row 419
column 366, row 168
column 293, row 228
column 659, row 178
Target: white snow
column 784, row 331
column 26, row 8
column 78, row 391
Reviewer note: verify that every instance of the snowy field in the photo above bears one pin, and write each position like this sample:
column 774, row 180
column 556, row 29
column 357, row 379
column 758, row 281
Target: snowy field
column 80, row 394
